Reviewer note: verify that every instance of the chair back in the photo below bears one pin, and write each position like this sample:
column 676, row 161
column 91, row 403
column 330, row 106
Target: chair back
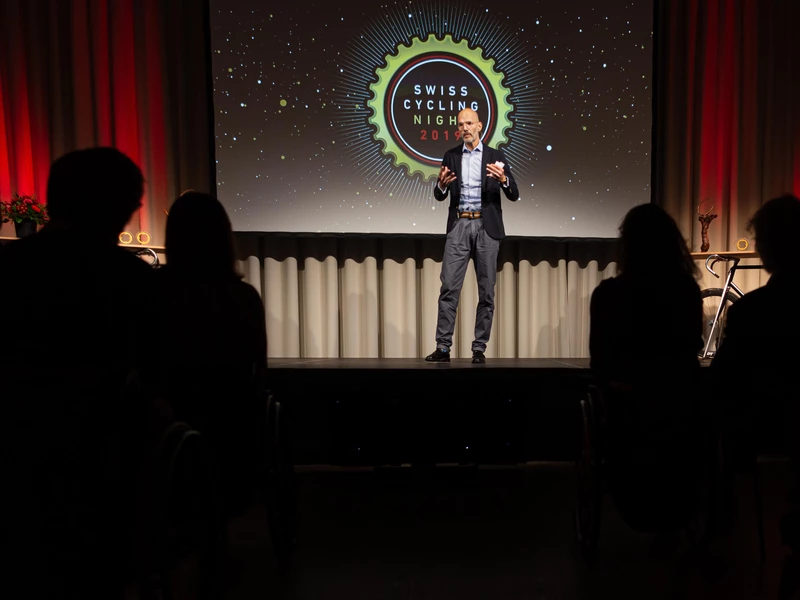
column 187, row 514
column 660, row 453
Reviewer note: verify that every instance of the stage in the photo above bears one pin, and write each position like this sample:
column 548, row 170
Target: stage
column 372, row 412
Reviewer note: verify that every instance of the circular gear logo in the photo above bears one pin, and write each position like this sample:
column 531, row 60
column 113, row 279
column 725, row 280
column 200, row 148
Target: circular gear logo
column 420, row 92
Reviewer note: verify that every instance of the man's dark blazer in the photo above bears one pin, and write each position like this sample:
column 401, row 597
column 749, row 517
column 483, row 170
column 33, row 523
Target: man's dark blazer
column 490, row 190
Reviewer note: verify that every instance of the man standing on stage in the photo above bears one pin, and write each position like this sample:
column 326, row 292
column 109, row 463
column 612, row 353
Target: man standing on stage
column 473, row 174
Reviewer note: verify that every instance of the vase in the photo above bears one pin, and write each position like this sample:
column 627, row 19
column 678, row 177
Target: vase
column 25, row 228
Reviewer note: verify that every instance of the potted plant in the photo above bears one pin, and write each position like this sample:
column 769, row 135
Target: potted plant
column 26, row 212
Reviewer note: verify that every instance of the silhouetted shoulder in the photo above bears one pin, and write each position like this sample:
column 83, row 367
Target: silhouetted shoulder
column 251, row 306
column 133, row 263
column 249, row 294
column 607, row 286
column 21, row 250
column 754, row 315
column 607, row 290
column 751, row 302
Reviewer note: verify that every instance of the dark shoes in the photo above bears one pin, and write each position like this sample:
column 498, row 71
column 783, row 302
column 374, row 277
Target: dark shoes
column 438, row 356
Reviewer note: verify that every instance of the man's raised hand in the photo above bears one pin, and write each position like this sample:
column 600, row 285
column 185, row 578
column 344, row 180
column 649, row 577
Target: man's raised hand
column 446, row 177
column 496, row 171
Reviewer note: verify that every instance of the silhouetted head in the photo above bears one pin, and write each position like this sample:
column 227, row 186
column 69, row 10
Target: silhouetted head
column 776, row 226
column 653, row 244
column 199, row 236
column 99, row 188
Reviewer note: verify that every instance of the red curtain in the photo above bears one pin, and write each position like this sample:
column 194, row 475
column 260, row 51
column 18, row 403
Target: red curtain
column 727, row 119
column 132, row 74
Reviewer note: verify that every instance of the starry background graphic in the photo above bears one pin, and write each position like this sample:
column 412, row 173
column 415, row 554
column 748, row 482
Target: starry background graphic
column 295, row 151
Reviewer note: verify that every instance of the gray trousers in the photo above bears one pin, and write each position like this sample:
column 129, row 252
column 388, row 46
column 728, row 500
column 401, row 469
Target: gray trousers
column 466, row 240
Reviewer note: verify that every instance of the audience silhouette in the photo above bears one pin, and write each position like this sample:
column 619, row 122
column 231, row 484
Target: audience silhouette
column 212, row 339
column 647, row 320
column 754, row 368
column 646, row 330
column 755, row 361
column 76, row 422
column 97, row 336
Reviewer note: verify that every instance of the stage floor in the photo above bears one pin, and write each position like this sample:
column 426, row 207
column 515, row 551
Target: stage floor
column 419, row 363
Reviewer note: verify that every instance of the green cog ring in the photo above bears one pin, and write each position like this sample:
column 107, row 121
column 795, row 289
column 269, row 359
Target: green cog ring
column 418, row 47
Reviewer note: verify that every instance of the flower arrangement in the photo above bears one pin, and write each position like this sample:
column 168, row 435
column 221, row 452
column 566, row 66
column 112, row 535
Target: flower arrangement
column 23, row 208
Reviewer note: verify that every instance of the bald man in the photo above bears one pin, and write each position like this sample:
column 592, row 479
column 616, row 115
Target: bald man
column 473, row 175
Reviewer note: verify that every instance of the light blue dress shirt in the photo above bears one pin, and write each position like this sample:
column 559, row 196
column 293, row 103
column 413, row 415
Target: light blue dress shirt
column 471, row 178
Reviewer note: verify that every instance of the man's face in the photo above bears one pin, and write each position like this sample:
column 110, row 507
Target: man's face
column 470, row 127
